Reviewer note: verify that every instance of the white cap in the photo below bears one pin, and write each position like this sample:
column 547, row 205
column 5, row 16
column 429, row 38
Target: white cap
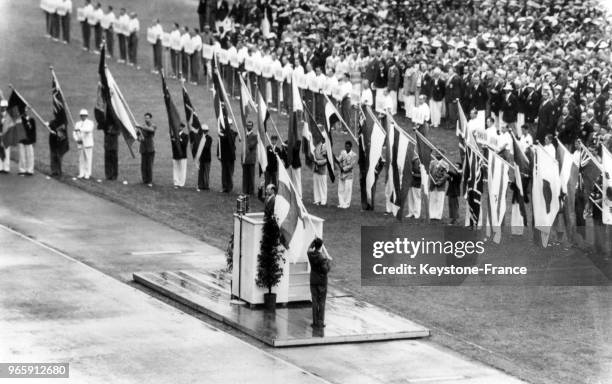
column 3, row 103
column 83, row 112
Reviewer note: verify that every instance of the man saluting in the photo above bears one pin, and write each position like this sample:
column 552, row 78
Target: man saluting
column 319, row 268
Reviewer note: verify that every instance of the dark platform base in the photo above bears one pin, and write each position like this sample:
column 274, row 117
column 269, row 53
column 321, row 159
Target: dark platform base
column 347, row 319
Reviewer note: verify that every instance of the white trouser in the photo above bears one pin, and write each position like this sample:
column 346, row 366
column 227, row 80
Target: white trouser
column 26, row 158
column 414, row 202
column 435, row 108
column 436, row 204
column 520, row 121
column 85, row 161
column 516, row 220
column 481, row 118
column 379, row 105
column 409, row 103
column 179, row 172
column 345, row 191
column 5, row 165
column 319, row 183
column 393, row 95
column 296, row 179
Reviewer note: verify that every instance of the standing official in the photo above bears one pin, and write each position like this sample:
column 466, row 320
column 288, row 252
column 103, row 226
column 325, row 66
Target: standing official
column 204, row 160
column 154, row 37
column 133, row 29
column 26, row 147
column 58, row 144
column 226, row 152
column 179, row 157
column 83, row 135
column 108, row 25
column 319, row 268
column 196, row 46
column 111, row 152
column 123, row 33
column 319, row 177
column 175, row 50
column 250, row 158
column 271, row 174
column 186, row 52
column 64, row 10
column 147, row 149
column 95, row 22
column 86, row 13
column 347, row 161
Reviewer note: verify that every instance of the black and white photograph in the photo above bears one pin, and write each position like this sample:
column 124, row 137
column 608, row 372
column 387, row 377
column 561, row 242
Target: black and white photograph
column 306, row 191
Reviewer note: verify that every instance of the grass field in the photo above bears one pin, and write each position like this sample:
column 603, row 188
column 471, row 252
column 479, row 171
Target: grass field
column 540, row 334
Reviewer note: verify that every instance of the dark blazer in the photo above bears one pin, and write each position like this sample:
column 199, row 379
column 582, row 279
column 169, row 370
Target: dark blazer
column 205, row 157
column 202, row 6
column 226, row 150
column 319, row 267
column 454, row 88
column 438, row 90
column 250, row 155
column 532, row 106
column 272, row 162
column 30, row 131
column 546, row 120
column 179, row 147
column 509, row 108
column 147, row 145
column 477, row 97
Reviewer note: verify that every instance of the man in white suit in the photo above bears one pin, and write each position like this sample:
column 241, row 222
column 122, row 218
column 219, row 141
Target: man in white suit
column 83, row 135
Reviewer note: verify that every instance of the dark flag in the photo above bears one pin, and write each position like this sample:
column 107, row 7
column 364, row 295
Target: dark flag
column 473, row 180
column 59, row 123
column 111, row 110
column 195, row 127
column 293, row 138
column 226, row 144
column 13, row 129
column 400, row 168
column 174, row 120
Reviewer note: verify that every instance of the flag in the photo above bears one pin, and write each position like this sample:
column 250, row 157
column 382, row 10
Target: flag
column 568, row 174
column 473, row 182
column 461, row 130
column 589, row 169
column 59, row 122
column 498, row 178
column 296, row 96
column 293, row 138
column 424, row 152
column 262, row 120
column 374, row 140
column 111, row 108
column 174, row 120
column 247, row 105
column 287, row 208
column 400, row 169
column 545, row 193
column 226, row 143
column 606, row 198
column 13, row 128
column 566, row 164
column 196, row 133
column 520, row 168
column 315, row 137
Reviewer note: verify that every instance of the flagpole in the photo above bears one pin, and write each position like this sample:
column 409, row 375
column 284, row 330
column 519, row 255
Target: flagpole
column 592, row 157
column 341, row 119
column 59, row 87
column 430, row 145
column 36, row 114
column 225, row 98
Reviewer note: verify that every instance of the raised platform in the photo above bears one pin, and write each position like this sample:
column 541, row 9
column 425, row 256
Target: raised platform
column 347, row 319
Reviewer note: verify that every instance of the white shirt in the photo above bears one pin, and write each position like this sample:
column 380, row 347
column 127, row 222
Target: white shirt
column 257, row 59
column 175, row 40
column 299, row 77
column 277, row 70
column 232, row 56
column 242, row 55
column 368, row 99
column 525, row 142
column 89, row 14
column 196, row 43
column 329, row 85
column 287, row 73
column 344, row 89
column 310, row 81
column 134, row 25
column 108, row 20
column 64, row 7
column 474, row 127
column 248, row 63
column 494, row 140
column 186, row 43
column 83, row 131
column 123, row 24
column 505, row 142
column 421, row 114
column 266, row 66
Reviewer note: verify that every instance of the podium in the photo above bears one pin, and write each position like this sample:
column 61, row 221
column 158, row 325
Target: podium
column 294, row 285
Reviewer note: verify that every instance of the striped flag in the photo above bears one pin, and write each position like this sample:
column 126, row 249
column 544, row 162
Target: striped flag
column 473, row 181
column 288, row 209
column 196, row 133
column 498, row 178
column 400, row 169
column 374, row 140
column 545, row 193
column 174, row 120
column 59, row 122
column 262, row 120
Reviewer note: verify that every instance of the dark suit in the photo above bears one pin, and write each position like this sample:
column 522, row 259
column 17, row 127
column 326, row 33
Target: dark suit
column 147, row 154
column 509, row 108
column 271, row 174
column 248, row 166
column 319, row 267
column 454, row 91
column 205, row 159
column 58, row 145
column 111, row 155
column 226, row 151
column 477, row 97
column 546, row 120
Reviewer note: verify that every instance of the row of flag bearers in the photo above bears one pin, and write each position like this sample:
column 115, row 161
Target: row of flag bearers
column 414, row 166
